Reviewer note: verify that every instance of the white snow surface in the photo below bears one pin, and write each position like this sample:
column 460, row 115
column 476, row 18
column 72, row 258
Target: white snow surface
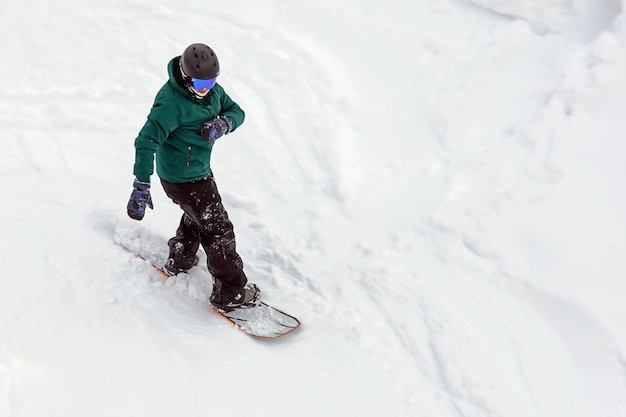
column 434, row 188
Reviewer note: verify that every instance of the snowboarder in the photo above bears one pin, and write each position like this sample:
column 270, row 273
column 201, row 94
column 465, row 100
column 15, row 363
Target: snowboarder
column 190, row 112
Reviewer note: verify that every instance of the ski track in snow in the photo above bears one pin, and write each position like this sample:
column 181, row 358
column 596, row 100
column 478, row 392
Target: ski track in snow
column 436, row 202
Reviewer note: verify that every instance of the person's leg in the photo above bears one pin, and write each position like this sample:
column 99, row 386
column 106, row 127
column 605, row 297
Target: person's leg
column 201, row 202
column 183, row 246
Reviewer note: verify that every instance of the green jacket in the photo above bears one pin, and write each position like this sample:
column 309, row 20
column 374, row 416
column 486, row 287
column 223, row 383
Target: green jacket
column 172, row 131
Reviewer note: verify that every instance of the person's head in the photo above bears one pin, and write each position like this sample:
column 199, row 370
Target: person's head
column 199, row 67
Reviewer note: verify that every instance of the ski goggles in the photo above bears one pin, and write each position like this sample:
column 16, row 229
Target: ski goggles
column 200, row 84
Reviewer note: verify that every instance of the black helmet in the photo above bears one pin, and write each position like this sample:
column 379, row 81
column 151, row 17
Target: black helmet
column 199, row 61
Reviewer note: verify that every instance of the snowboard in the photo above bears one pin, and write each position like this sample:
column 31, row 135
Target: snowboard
column 260, row 322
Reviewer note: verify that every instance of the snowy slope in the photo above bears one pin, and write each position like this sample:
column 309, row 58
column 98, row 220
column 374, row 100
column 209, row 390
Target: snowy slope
column 433, row 188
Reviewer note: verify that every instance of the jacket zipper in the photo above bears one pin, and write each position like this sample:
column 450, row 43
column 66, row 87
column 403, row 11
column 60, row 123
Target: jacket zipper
column 188, row 157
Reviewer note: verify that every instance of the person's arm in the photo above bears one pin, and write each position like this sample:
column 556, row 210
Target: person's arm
column 162, row 120
column 232, row 110
column 164, row 117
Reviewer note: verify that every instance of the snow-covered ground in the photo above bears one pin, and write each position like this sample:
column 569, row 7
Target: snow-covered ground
column 435, row 188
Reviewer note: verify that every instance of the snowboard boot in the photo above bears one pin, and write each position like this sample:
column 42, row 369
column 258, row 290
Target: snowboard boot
column 171, row 268
column 248, row 297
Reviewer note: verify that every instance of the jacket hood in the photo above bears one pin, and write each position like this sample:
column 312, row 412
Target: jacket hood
column 175, row 77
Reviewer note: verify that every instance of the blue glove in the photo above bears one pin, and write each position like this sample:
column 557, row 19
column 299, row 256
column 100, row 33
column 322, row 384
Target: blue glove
column 139, row 198
column 216, row 128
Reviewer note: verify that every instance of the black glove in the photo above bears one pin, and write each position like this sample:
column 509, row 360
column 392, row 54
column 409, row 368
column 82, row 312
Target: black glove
column 216, row 128
column 139, row 198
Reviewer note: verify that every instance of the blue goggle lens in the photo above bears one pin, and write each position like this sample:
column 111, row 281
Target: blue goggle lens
column 200, row 84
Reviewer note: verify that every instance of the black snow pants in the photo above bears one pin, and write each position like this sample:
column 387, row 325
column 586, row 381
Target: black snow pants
column 205, row 222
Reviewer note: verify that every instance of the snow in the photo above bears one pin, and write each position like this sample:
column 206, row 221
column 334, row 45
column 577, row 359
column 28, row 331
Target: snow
column 435, row 189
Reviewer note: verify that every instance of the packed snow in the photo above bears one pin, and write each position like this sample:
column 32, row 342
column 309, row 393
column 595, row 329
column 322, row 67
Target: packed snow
column 434, row 188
